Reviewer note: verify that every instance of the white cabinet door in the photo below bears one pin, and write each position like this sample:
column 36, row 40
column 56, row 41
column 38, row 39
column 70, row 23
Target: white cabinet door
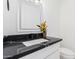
column 54, row 55
column 43, row 53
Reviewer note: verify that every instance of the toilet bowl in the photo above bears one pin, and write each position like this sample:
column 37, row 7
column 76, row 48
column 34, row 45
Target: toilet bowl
column 66, row 54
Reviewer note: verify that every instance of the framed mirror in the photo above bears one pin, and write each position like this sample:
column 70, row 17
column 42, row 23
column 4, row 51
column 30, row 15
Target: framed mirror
column 29, row 15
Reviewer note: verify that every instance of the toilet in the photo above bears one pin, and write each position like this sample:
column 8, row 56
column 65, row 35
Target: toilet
column 66, row 54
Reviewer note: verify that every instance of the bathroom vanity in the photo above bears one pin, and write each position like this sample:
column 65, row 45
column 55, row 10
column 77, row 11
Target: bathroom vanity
column 48, row 52
column 14, row 48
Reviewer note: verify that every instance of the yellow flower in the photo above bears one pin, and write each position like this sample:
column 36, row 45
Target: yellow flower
column 43, row 26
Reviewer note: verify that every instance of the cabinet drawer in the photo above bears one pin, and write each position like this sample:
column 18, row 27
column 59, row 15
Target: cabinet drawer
column 41, row 54
column 54, row 55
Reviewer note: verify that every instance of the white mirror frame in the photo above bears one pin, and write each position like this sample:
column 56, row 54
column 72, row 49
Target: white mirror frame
column 20, row 29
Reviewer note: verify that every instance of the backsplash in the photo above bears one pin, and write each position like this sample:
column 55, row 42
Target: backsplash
column 22, row 37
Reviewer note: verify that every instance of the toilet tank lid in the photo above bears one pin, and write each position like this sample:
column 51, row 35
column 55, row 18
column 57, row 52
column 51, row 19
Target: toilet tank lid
column 66, row 51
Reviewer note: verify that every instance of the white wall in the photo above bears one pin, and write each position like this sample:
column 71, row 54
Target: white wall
column 9, row 17
column 60, row 19
column 51, row 15
column 67, row 23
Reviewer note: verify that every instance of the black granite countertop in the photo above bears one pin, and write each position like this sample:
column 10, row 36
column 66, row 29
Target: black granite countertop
column 30, row 49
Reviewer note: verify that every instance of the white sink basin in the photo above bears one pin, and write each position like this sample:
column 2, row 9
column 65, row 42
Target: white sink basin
column 33, row 42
